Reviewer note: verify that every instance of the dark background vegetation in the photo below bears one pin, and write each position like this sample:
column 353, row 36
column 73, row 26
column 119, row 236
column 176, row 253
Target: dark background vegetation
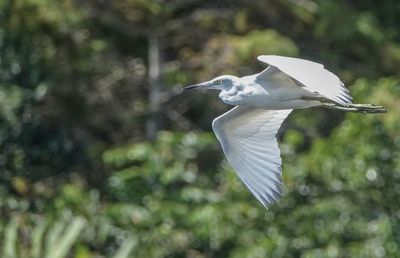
column 101, row 157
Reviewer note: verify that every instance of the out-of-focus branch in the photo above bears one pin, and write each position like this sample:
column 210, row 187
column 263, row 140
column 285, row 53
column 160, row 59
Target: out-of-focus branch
column 155, row 120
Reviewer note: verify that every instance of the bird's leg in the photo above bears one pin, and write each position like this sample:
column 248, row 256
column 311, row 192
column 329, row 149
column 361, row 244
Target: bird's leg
column 337, row 107
column 368, row 108
column 358, row 108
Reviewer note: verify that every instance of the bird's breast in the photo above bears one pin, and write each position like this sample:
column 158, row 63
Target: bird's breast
column 241, row 94
column 231, row 98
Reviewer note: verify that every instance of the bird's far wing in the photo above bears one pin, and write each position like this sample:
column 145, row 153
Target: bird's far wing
column 310, row 75
column 248, row 139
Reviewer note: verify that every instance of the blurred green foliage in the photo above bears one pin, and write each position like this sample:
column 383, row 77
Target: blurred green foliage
column 78, row 179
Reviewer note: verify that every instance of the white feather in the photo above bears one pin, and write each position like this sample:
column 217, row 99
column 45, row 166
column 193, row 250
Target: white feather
column 248, row 139
column 312, row 76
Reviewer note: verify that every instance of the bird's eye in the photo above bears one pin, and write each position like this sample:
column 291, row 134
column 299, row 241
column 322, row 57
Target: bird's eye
column 219, row 81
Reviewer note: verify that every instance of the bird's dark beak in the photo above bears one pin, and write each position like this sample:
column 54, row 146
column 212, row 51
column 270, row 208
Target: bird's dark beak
column 202, row 85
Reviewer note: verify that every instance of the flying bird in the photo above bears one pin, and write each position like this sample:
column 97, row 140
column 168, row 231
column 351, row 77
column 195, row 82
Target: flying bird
column 247, row 132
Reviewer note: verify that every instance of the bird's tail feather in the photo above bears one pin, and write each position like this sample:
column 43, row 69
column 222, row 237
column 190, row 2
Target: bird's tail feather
column 358, row 108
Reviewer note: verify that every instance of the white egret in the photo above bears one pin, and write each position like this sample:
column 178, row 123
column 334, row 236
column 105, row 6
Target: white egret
column 262, row 101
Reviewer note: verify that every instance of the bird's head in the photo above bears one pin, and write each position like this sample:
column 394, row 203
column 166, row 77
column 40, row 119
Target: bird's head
column 222, row 82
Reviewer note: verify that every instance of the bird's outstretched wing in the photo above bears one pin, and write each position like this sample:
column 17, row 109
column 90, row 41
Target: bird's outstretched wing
column 309, row 75
column 248, row 138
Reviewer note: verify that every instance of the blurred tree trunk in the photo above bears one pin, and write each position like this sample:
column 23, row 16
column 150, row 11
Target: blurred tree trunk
column 155, row 120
